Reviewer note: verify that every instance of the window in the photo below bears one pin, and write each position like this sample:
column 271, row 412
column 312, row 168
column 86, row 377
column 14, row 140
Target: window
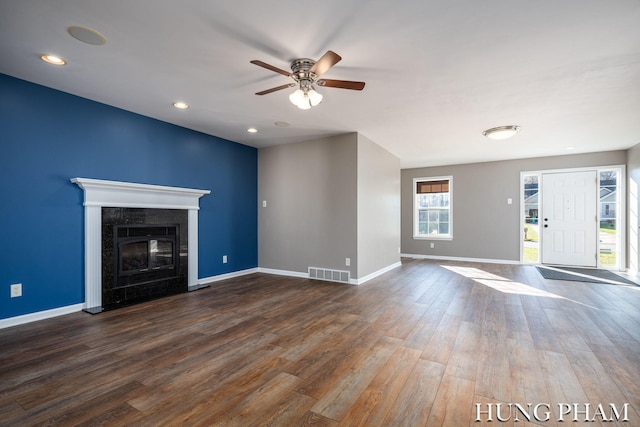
column 609, row 238
column 432, row 208
column 529, row 224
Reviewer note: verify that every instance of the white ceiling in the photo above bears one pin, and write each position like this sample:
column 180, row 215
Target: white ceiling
column 438, row 73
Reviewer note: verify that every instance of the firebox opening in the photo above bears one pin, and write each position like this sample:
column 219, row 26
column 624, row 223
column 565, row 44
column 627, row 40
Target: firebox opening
column 145, row 253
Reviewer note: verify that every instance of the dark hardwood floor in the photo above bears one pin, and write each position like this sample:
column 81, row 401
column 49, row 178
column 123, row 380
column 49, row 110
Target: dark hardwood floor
column 420, row 345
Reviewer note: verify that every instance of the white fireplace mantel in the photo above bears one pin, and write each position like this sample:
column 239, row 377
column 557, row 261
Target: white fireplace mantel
column 99, row 193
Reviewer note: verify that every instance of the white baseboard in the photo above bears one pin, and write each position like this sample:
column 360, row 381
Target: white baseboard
column 40, row 315
column 207, row 280
column 303, row 274
column 451, row 258
column 375, row 274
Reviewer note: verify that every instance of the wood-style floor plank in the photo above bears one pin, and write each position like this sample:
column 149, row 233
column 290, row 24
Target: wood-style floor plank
column 418, row 346
column 373, row 405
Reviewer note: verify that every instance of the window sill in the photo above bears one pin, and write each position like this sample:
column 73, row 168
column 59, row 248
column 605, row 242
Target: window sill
column 431, row 238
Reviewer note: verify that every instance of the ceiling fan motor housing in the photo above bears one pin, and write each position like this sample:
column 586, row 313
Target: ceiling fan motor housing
column 301, row 71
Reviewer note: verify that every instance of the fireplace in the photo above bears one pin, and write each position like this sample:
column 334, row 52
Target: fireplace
column 144, row 254
column 141, row 242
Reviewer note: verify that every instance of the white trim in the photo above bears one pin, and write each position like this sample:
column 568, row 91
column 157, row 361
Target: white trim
column 100, row 193
column 580, row 169
column 233, row 274
column 192, row 242
column 40, row 315
column 304, row 275
column 454, row 258
column 376, row 274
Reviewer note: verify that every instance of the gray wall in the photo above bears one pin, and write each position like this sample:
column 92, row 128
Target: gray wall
column 328, row 200
column 484, row 225
column 378, row 207
column 633, row 207
column 311, row 213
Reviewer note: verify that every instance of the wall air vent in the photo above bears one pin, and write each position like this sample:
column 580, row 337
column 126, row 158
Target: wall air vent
column 330, row 275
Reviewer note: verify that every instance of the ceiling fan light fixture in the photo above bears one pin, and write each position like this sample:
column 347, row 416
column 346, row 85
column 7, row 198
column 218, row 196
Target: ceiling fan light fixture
column 297, row 97
column 501, row 132
column 305, row 104
column 315, row 98
column 306, row 73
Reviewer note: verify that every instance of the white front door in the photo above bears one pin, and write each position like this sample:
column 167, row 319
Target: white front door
column 569, row 218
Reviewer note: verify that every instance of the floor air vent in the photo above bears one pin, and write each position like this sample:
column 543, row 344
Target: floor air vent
column 330, row 275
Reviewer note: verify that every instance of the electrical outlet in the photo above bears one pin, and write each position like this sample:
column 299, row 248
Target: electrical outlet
column 224, row 259
column 264, row 203
column 16, row 290
column 347, row 262
column 432, row 245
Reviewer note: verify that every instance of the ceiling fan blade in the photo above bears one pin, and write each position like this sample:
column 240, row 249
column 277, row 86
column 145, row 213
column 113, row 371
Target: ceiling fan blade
column 271, row 67
column 341, row 84
column 274, row 89
column 327, row 61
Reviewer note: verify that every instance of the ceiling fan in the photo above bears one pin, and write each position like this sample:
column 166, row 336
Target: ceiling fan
column 306, row 72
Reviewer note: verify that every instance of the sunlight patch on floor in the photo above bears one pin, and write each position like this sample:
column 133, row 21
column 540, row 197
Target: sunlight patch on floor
column 502, row 284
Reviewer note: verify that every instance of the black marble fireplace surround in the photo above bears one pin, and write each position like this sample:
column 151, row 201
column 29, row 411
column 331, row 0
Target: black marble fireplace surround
column 144, row 255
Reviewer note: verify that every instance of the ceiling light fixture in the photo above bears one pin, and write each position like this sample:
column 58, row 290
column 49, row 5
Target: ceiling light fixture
column 53, row 59
column 501, row 132
column 305, row 97
column 252, row 130
column 181, row 105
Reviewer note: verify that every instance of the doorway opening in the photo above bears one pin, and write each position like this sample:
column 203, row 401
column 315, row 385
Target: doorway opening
column 609, row 216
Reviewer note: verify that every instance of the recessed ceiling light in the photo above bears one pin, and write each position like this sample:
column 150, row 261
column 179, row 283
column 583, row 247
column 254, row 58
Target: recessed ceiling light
column 252, row 130
column 53, row 59
column 282, row 124
column 181, row 105
column 501, row 132
column 87, row 35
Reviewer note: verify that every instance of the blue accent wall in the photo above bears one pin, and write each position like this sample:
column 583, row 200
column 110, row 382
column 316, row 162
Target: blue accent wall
column 48, row 137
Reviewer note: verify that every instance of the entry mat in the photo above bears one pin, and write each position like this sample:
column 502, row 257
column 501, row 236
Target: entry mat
column 583, row 275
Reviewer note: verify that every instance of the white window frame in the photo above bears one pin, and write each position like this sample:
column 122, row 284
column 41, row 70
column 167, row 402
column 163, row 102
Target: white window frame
column 416, row 215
